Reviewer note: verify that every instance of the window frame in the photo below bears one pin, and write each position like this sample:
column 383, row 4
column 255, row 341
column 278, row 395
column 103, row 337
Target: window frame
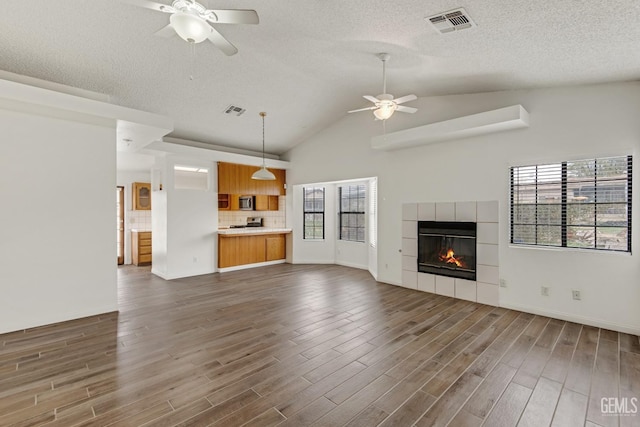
column 587, row 182
column 363, row 213
column 313, row 212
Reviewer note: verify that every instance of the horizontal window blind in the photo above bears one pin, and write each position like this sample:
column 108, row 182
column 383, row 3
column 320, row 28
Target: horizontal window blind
column 575, row 204
column 313, row 222
column 352, row 212
column 373, row 212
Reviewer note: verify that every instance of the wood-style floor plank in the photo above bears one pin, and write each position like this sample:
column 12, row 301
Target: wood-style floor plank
column 297, row 345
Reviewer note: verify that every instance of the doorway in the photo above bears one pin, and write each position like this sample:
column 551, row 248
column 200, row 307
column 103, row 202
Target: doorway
column 120, row 223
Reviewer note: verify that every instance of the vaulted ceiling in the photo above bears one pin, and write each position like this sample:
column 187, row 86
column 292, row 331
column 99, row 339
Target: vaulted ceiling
column 309, row 61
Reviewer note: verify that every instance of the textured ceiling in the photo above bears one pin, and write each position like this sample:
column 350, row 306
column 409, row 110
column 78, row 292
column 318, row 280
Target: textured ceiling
column 309, row 61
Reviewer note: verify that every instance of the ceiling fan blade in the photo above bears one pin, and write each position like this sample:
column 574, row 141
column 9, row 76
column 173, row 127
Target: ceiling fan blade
column 166, row 32
column 371, row 98
column 362, row 109
column 221, row 43
column 147, row 4
column 232, row 16
column 406, row 109
column 404, row 99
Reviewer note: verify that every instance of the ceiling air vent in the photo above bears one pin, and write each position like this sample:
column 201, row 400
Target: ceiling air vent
column 457, row 19
column 232, row 109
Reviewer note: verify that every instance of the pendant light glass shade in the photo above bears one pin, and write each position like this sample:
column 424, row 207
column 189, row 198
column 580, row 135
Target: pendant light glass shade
column 386, row 110
column 190, row 28
column 263, row 174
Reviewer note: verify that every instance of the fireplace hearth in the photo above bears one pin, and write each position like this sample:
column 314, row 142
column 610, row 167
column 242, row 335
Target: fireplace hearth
column 447, row 248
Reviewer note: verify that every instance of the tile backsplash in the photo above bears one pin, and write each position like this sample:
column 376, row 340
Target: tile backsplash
column 139, row 220
column 272, row 219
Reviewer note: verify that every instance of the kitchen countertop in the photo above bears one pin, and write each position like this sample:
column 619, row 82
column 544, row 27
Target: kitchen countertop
column 252, row 230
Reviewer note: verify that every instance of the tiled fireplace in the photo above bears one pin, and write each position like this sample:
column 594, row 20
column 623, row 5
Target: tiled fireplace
column 444, row 262
column 447, row 248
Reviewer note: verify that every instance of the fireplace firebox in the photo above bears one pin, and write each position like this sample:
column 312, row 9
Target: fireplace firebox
column 447, row 248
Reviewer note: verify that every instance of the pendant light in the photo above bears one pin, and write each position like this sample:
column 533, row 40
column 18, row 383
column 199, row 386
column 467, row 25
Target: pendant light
column 263, row 174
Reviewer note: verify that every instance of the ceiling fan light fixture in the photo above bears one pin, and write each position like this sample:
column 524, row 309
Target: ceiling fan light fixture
column 263, row 174
column 190, row 27
column 385, row 110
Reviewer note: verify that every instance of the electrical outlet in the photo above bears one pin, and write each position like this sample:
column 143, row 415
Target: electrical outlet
column 503, row 283
column 544, row 291
column 576, row 295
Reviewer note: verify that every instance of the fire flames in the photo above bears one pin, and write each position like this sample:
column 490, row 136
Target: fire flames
column 450, row 258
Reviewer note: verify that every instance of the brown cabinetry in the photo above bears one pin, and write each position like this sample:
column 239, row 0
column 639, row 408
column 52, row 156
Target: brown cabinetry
column 236, row 179
column 229, row 202
column 141, row 196
column 266, row 203
column 275, row 247
column 236, row 250
column 141, row 247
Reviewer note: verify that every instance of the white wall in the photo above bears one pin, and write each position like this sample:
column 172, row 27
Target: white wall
column 125, row 179
column 566, row 123
column 57, row 244
column 314, row 251
column 331, row 250
column 184, row 223
column 353, row 254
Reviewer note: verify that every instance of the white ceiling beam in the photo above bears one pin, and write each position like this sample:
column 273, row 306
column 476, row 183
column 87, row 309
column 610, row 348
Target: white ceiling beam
column 502, row 119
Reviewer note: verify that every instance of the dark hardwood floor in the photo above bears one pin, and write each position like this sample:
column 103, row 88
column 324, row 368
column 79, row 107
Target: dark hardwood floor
column 298, row 345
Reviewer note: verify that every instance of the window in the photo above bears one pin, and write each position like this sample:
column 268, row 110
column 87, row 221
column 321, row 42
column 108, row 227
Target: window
column 576, row 204
column 373, row 212
column 352, row 204
column 313, row 212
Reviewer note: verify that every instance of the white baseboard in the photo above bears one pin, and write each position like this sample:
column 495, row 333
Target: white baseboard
column 598, row 323
column 182, row 275
column 312, row 261
column 245, row 266
column 34, row 322
column 352, row 265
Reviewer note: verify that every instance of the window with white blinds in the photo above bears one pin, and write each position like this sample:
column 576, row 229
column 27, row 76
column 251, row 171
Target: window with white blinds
column 313, row 221
column 583, row 204
column 352, row 212
column 373, row 212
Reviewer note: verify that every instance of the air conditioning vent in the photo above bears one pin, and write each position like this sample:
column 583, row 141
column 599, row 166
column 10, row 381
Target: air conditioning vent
column 453, row 20
column 232, row 109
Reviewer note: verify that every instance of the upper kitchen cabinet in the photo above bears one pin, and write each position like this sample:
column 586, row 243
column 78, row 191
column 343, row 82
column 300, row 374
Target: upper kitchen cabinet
column 236, row 179
column 141, row 196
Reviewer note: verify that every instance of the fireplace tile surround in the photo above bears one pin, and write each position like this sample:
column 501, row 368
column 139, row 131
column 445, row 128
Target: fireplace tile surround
column 485, row 213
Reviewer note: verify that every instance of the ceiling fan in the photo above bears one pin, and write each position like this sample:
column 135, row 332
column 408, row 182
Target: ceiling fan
column 385, row 105
column 191, row 21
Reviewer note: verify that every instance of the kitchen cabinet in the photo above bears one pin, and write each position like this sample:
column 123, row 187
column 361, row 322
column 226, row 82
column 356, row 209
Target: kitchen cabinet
column 236, row 179
column 244, row 249
column 228, row 202
column 141, row 247
column 224, row 202
column 141, row 196
column 266, row 203
column 275, row 247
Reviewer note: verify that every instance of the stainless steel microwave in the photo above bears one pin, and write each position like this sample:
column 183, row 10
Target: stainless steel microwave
column 247, row 203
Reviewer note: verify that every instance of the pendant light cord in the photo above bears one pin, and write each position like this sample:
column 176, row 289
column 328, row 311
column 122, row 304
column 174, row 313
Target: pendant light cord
column 263, row 114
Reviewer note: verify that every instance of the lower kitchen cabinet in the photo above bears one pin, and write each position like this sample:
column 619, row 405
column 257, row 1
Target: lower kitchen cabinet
column 275, row 247
column 141, row 247
column 236, row 250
